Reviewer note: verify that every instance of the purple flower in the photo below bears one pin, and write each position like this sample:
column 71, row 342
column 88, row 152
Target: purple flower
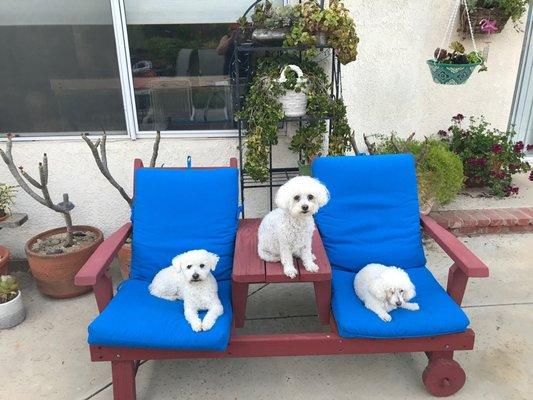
column 442, row 133
column 529, row 147
column 531, row 176
column 518, row 147
column 497, row 148
column 458, row 118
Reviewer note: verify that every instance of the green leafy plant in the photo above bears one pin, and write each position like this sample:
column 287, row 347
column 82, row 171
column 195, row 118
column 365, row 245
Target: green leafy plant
column 9, row 288
column 439, row 171
column 267, row 16
column 513, row 8
column 490, row 157
column 458, row 55
column 7, row 197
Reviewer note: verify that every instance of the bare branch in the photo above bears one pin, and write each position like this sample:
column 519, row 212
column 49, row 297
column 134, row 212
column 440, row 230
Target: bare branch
column 353, row 143
column 411, row 136
column 370, row 146
column 44, row 177
column 103, row 149
column 44, row 186
column 155, row 150
column 103, row 167
column 29, row 178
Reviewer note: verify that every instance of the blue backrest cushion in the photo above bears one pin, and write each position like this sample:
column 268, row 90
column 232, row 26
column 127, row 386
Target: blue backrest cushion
column 177, row 210
column 373, row 214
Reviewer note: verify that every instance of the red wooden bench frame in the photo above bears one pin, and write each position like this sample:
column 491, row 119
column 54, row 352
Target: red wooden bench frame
column 443, row 376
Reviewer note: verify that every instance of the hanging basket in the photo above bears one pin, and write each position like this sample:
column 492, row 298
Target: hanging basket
column 479, row 15
column 451, row 74
column 294, row 103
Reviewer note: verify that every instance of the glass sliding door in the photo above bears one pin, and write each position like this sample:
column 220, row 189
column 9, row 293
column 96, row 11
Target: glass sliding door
column 181, row 54
column 59, row 71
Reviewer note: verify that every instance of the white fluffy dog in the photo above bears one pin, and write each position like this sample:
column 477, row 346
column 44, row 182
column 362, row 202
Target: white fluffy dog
column 189, row 278
column 384, row 289
column 287, row 231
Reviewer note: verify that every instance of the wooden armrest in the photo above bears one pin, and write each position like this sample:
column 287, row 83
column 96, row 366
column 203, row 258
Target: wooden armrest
column 467, row 261
column 97, row 264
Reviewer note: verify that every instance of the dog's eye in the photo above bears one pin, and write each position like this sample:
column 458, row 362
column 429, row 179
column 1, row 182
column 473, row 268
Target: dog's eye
column 310, row 197
column 401, row 291
column 202, row 265
column 297, row 198
column 189, row 266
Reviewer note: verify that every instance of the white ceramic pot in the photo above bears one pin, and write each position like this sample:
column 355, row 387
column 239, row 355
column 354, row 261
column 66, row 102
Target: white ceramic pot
column 294, row 103
column 12, row 313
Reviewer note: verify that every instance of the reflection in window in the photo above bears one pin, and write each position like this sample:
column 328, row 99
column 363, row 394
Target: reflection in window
column 181, row 76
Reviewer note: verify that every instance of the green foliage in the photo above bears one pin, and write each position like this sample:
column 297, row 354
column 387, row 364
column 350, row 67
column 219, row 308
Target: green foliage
column 490, row 157
column 341, row 133
column 267, row 16
column 7, row 197
column 9, row 288
column 513, row 8
column 439, row 171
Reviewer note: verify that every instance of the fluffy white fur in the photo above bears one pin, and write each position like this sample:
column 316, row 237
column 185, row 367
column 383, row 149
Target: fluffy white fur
column 384, row 289
column 287, row 231
column 189, row 278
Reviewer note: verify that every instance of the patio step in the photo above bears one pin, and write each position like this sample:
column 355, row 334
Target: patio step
column 486, row 221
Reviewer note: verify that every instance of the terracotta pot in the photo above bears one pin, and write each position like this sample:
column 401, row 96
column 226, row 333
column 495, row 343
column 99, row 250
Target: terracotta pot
column 54, row 273
column 3, row 215
column 5, row 255
column 124, row 259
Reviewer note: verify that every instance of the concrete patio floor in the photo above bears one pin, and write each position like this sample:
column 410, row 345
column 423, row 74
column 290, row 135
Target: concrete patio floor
column 46, row 357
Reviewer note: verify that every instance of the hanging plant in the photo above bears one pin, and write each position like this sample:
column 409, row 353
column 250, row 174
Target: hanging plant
column 492, row 14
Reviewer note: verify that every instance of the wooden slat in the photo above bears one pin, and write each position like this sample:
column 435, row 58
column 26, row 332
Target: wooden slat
column 274, row 273
column 324, row 272
column 247, row 266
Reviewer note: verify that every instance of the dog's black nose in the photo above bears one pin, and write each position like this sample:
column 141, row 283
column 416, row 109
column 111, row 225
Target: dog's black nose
column 195, row 276
column 398, row 303
column 305, row 207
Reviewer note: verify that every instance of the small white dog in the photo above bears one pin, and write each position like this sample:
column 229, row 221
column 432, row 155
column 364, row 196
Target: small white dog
column 189, row 278
column 384, row 289
column 287, row 231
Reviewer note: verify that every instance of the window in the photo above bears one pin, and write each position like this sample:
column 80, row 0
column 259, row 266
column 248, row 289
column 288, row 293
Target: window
column 59, row 74
column 181, row 54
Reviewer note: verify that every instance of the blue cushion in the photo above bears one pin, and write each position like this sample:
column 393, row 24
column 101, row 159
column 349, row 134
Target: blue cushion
column 135, row 318
column 438, row 314
column 373, row 214
column 176, row 210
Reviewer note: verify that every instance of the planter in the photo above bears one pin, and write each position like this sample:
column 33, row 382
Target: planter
column 3, row 215
column 124, row 260
column 294, row 103
column 479, row 16
column 4, row 259
column 304, row 169
column 12, row 313
column 321, row 39
column 54, row 273
column 261, row 35
column 450, row 74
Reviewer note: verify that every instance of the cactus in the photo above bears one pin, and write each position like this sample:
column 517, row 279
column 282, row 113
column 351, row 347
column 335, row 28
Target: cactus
column 9, row 288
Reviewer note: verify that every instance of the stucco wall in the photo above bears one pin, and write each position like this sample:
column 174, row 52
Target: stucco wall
column 388, row 88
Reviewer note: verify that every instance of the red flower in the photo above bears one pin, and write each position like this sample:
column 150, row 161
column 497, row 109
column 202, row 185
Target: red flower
column 458, row 118
column 518, row 147
column 497, row 148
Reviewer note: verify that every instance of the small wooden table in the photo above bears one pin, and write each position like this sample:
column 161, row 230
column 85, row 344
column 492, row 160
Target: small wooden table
column 249, row 268
column 14, row 220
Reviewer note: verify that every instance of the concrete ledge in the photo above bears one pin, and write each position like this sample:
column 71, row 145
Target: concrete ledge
column 486, row 221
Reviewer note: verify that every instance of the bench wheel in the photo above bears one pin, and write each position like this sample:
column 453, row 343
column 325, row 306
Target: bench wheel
column 443, row 377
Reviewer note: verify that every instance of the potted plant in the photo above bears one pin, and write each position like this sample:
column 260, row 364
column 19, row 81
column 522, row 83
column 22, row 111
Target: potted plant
column 490, row 157
column 7, row 197
column 294, row 98
column 490, row 16
column 332, row 26
column 439, row 171
column 54, row 256
column 12, row 310
column 99, row 152
column 270, row 24
column 454, row 67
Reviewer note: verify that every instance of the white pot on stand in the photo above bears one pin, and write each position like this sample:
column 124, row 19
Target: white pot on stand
column 12, row 313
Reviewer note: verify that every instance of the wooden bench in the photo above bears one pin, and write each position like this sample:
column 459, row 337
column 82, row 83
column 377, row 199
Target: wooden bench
column 249, row 268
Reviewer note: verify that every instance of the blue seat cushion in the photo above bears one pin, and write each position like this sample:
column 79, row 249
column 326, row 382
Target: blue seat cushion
column 438, row 314
column 373, row 214
column 177, row 210
column 135, row 318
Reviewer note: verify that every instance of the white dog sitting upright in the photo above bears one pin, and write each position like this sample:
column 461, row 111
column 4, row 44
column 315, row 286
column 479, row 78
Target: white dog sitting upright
column 287, row 231
column 384, row 289
column 189, row 278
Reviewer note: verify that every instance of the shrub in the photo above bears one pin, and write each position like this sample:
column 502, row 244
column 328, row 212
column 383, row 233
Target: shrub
column 490, row 157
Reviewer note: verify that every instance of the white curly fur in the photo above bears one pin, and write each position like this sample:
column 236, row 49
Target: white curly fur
column 288, row 230
column 189, row 278
column 384, row 289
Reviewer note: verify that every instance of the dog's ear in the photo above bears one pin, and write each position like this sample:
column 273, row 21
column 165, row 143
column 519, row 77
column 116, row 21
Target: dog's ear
column 176, row 262
column 377, row 289
column 283, row 196
column 410, row 292
column 212, row 260
column 322, row 194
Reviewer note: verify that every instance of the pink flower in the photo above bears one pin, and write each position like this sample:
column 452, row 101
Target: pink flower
column 497, row 148
column 458, row 118
column 518, row 147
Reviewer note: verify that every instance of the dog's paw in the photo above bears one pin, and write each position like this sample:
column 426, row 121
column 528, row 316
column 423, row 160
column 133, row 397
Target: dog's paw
column 206, row 325
column 415, row 307
column 196, row 326
column 290, row 272
column 312, row 267
column 386, row 317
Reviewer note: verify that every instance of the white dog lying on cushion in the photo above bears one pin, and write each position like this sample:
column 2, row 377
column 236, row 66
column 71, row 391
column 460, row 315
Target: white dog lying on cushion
column 287, row 231
column 189, row 278
column 384, row 289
